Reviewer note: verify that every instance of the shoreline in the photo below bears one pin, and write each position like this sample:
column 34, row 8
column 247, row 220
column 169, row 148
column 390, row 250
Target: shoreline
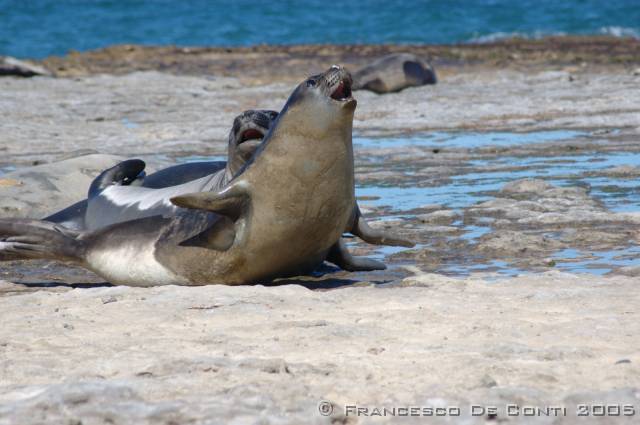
column 255, row 64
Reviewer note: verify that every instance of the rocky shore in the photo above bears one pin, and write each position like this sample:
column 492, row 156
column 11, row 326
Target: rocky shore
column 521, row 290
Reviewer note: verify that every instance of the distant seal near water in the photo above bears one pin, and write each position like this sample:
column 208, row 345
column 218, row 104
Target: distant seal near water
column 118, row 182
column 284, row 213
column 393, row 73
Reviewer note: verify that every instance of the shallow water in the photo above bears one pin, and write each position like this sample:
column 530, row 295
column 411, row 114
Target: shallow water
column 467, row 140
column 478, row 180
column 6, row 168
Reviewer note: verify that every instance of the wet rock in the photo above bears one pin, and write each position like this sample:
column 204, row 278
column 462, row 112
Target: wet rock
column 43, row 189
column 573, row 216
column 621, row 171
column 534, row 201
column 438, row 217
column 394, row 73
column 525, row 186
column 596, row 239
column 441, row 229
column 15, row 67
column 629, row 271
column 534, row 220
column 515, row 243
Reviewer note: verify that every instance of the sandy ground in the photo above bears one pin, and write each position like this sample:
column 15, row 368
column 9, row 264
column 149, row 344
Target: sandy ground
column 271, row 354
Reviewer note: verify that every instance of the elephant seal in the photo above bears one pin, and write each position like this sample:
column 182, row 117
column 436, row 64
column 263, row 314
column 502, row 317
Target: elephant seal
column 282, row 215
column 393, row 73
column 119, row 192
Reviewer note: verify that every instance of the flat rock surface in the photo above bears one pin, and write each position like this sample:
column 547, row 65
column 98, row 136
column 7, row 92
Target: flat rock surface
column 178, row 354
column 43, row 189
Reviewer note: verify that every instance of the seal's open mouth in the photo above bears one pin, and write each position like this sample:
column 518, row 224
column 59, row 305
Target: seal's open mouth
column 251, row 134
column 343, row 91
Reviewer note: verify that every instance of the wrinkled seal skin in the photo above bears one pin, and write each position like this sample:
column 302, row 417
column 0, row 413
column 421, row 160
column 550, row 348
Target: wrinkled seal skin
column 283, row 215
column 128, row 186
column 393, row 73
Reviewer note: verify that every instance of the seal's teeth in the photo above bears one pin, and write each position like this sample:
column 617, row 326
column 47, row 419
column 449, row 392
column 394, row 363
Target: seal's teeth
column 251, row 134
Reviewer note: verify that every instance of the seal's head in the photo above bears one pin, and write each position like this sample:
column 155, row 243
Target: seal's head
column 249, row 128
column 323, row 102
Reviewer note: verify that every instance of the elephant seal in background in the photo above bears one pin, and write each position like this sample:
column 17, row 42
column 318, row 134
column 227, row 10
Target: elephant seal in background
column 121, row 180
column 393, row 73
column 283, row 214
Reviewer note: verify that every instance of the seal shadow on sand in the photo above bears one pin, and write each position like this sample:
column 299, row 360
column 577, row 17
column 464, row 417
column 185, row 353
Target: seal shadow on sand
column 39, row 276
column 325, row 277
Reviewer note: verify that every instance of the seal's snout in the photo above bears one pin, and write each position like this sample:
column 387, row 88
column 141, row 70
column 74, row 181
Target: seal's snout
column 342, row 91
column 253, row 125
column 339, row 83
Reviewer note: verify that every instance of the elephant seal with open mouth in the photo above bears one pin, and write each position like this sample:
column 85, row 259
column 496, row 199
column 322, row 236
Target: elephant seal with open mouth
column 120, row 192
column 110, row 203
column 283, row 215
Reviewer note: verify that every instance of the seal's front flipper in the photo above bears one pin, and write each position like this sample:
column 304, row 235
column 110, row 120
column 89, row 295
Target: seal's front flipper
column 230, row 201
column 341, row 257
column 36, row 239
column 373, row 236
column 123, row 173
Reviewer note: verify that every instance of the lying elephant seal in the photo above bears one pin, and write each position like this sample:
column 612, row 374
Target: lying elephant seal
column 113, row 198
column 282, row 215
column 393, row 73
column 246, row 135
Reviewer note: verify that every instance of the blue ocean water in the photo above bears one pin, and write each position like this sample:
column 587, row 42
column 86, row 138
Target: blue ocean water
column 39, row 28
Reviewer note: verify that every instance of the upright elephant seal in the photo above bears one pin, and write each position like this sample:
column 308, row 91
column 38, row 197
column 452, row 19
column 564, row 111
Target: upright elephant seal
column 393, row 73
column 123, row 192
column 282, row 215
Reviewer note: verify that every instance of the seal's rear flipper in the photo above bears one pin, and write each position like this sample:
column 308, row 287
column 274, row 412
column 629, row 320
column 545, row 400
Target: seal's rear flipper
column 36, row 239
column 341, row 257
column 123, row 173
column 373, row 236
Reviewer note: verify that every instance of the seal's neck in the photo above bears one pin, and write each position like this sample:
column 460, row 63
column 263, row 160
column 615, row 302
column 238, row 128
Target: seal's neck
column 300, row 132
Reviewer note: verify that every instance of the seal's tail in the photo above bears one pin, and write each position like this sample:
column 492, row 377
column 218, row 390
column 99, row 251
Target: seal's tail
column 23, row 239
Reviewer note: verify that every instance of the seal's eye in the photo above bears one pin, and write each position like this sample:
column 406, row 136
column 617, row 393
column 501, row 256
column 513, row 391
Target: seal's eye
column 311, row 83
